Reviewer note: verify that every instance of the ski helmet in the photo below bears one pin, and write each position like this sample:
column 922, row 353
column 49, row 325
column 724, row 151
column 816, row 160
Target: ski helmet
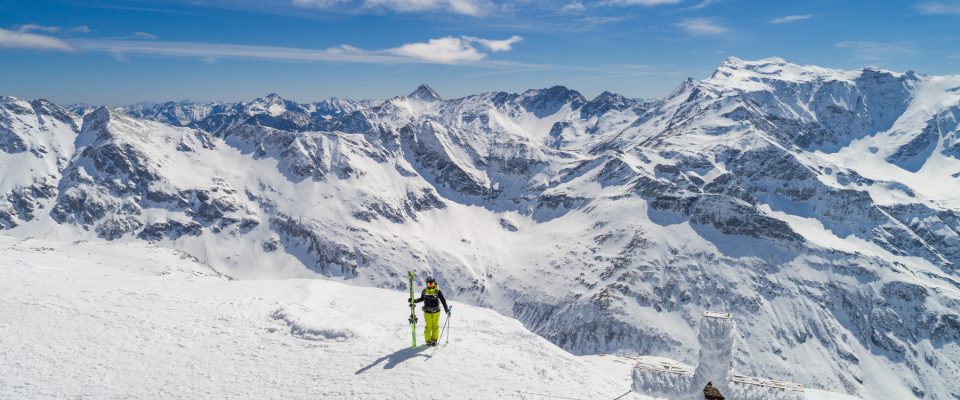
column 431, row 280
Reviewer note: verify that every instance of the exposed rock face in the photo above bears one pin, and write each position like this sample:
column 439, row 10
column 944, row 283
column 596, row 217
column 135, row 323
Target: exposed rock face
column 711, row 393
column 816, row 205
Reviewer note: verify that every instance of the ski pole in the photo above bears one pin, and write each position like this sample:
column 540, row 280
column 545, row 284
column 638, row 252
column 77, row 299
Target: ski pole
column 448, row 326
column 445, row 324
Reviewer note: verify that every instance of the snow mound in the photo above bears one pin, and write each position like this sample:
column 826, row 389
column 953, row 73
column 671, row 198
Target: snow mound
column 307, row 325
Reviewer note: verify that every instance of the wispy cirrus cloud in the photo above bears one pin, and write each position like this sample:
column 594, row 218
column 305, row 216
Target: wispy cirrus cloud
column 80, row 29
column 445, row 50
column 145, row 35
column 877, row 51
column 462, row 7
column 702, row 27
column 702, row 4
column 495, row 45
column 38, row 28
column 23, row 39
column 573, row 7
column 790, row 18
column 645, row 3
column 939, row 7
column 319, row 3
column 589, row 23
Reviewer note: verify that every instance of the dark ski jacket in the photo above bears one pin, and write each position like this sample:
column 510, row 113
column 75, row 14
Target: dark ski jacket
column 431, row 299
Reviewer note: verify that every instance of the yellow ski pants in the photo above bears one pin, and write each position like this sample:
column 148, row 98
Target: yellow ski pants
column 430, row 330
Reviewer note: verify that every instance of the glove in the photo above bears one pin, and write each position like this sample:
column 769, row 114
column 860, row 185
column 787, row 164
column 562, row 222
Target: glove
column 448, row 312
column 410, row 301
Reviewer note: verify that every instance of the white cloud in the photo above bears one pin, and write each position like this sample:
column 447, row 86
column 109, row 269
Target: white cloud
column 463, row 7
column 573, row 7
column 790, row 18
column 703, row 4
column 645, row 3
column 702, row 26
column 445, row 50
column 25, row 40
column 145, row 35
column 319, row 3
column 468, row 7
column 588, row 23
column 41, row 28
column 80, row 29
column 939, row 8
column 210, row 51
column 495, row 45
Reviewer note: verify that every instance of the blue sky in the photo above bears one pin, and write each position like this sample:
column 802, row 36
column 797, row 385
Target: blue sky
column 121, row 51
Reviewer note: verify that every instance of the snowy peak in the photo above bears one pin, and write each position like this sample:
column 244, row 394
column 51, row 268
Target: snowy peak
column 97, row 120
column 770, row 74
column 605, row 102
column 544, row 102
column 273, row 105
column 15, row 105
column 42, row 108
column 425, row 93
column 738, row 74
column 335, row 106
column 45, row 107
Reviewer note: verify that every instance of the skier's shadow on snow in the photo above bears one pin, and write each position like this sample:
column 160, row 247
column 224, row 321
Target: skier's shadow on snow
column 397, row 357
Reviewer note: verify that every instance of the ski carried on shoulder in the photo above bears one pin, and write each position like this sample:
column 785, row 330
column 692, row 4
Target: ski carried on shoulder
column 413, row 315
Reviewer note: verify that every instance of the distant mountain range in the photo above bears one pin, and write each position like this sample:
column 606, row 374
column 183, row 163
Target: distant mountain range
column 821, row 207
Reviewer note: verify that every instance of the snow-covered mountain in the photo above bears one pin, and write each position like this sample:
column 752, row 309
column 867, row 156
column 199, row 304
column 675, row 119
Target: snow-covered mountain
column 36, row 144
column 217, row 117
column 820, row 207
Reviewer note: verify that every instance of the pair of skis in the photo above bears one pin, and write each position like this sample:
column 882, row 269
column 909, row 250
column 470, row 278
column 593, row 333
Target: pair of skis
column 413, row 317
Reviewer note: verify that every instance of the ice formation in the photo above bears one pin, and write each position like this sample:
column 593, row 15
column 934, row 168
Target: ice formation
column 672, row 380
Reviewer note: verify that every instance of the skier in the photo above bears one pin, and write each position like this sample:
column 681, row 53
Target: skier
column 432, row 297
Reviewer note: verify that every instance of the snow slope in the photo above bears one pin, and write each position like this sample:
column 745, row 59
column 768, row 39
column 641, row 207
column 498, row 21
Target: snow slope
column 136, row 321
column 131, row 320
